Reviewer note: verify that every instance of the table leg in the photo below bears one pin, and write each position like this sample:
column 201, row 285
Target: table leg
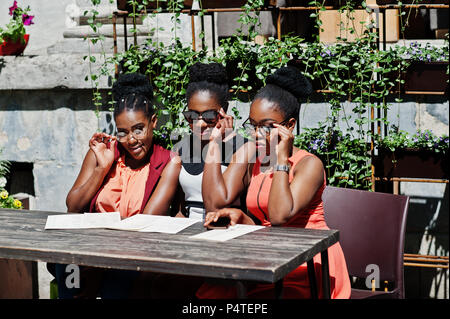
column 312, row 279
column 18, row 279
column 241, row 290
column 325, row 274
column 279, row 289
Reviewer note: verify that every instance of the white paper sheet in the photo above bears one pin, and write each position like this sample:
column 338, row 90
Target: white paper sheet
column 64, row 221
column 227, row 234
column 82, row 221
column 169, row 225
column 136, row 222
column 139, row 222
column 100, row 220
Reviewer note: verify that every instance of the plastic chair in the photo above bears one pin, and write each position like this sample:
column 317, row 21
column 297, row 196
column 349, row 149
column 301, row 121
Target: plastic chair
column 372, row 231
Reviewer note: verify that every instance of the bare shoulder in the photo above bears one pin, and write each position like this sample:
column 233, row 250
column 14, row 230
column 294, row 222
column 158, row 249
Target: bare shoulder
column 174, row 165
column 310, row 165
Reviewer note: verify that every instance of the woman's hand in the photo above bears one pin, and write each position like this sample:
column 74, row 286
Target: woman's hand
column 223, row 127
column 236, row 216
column 284, row 146
column 103, row 145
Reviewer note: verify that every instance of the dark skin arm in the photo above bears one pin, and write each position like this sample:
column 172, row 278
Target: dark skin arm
column 219, row 189
column 287, row 199
column 178, row 204
column 159, row 202
column 95, row 167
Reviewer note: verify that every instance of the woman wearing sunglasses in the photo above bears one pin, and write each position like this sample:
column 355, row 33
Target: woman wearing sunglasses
column 207, row 103
column 284, row 185
column 127, row 173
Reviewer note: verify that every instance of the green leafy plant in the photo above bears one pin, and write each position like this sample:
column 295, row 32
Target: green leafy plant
column 421, row 140
column 167, row 68
column 346, row 160
column 6, row 200
column 424, row 52
column 15, row 29
column 346, row 73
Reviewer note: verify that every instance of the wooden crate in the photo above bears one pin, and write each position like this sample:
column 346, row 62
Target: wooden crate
column 332, row 21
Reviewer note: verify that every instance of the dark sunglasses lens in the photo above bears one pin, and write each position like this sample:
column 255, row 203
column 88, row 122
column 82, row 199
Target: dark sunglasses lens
column 210, row 116
column 190, row 116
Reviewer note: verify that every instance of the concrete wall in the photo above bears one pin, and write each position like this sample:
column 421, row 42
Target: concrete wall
column 47, row 118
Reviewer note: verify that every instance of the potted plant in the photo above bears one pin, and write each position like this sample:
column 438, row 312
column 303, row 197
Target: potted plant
column 427, row 68
column 6, row 200
column 422, row 155
column 211, row 4
column 127, row 5
column 13, row 37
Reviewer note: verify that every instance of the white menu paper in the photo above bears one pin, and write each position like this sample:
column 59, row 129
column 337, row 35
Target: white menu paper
column 136, row 222
column 100, row 220
column 169, row 225
column 82, row 221
column 227, row 234
column 65, row 221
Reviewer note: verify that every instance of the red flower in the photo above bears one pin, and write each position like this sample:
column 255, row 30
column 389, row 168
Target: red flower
column 11, row 9
column 27, row 20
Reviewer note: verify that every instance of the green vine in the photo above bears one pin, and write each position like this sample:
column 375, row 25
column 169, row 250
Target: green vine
column 353, row 76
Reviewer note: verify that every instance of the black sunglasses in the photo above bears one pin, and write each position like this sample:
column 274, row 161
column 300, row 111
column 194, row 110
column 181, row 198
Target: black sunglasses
column 209, row 116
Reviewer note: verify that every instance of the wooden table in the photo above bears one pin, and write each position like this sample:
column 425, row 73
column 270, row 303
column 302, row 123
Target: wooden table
column 266, row 255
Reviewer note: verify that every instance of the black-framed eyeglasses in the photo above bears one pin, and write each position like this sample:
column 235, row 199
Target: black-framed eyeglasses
column 209, row 116
column 137, row 134
column 251, row 128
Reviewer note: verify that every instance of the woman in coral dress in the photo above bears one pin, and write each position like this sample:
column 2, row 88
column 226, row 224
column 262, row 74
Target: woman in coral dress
column 284, row 186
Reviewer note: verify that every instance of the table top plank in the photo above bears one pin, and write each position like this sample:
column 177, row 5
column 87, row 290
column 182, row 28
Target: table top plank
column 265, row 255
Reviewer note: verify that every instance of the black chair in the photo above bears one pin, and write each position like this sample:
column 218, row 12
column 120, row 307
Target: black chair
column 372, row 232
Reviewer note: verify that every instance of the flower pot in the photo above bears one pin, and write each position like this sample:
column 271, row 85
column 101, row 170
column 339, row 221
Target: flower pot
column 152, row 4
column 426, row 77
column 14, row 48
column 411, row 163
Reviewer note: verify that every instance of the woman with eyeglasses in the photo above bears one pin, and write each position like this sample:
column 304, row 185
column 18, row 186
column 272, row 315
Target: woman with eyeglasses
column 284, row 185
column 127, row 173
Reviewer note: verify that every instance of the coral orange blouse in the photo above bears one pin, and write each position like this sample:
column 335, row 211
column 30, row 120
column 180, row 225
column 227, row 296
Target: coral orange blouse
column 124, row 191
column 128, row 190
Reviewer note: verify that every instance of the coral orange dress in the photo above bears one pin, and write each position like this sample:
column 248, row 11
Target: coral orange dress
column 296, row 283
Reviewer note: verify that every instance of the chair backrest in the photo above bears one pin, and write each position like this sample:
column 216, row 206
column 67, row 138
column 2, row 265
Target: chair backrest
column 371, row 231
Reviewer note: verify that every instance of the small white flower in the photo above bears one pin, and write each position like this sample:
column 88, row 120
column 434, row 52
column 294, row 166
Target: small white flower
column 2, row 182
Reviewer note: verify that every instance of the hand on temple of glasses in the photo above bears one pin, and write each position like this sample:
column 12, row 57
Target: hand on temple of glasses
column 103, row 145
column 284, row 140
column 223, row 127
